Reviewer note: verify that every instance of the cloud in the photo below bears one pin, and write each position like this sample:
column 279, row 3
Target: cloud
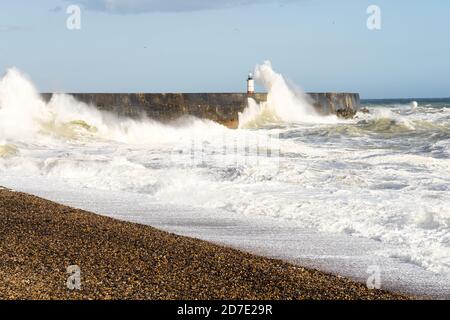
column 141, row 6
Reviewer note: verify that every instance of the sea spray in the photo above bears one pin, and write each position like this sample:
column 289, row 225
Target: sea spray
column 25, row 116
column 21, row 108
column 385, row 183
column 284, row 103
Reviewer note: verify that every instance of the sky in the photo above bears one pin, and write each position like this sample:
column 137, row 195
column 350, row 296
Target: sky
column 211, row 45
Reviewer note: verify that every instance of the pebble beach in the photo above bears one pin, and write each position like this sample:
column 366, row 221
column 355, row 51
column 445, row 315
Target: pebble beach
column 39, row 239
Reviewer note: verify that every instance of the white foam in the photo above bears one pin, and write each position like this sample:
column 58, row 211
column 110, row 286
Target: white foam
column 357, row 185
column 284, row 104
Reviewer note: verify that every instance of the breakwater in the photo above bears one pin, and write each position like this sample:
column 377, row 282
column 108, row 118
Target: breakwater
column 220, row 107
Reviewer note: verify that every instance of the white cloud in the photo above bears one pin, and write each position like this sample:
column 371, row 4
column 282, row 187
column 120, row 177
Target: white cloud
column 139, row 6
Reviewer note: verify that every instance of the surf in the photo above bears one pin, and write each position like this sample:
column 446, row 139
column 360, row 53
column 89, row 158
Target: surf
column 285, row 104
column 382, row 175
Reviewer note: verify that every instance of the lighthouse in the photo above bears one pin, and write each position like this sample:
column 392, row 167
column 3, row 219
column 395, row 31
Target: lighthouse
column 250, row 85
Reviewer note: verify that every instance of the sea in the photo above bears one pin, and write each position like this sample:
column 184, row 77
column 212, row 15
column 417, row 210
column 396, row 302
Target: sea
column 357, row 197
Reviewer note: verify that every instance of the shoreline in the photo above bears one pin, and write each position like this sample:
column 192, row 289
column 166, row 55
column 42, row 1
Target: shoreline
column 124, row 260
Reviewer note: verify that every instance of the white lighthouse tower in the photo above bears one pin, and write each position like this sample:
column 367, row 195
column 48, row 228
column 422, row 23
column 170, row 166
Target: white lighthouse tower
column 250, row 85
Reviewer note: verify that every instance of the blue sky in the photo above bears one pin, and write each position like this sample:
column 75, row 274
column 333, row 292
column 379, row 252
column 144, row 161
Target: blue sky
column 211, row 45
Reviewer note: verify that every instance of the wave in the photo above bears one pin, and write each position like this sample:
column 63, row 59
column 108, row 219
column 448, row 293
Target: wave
column 384, row 121
column 284, row 104
column 357, row 183
column 25, row 116
column 398, row 121
column 7, row 150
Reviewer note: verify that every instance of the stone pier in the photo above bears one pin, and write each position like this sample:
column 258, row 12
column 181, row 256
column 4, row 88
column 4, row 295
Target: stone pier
column 220, row 107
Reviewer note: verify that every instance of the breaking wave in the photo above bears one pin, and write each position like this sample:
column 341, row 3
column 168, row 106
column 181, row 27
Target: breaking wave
column 7, row 150
column 25, row 116
column 384, row 175
column 284, row 104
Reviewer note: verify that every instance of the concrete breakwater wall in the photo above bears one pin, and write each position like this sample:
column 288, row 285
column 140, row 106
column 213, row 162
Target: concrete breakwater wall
column 220, row 107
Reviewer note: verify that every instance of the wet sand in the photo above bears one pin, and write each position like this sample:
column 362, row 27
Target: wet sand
column 39, row 239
